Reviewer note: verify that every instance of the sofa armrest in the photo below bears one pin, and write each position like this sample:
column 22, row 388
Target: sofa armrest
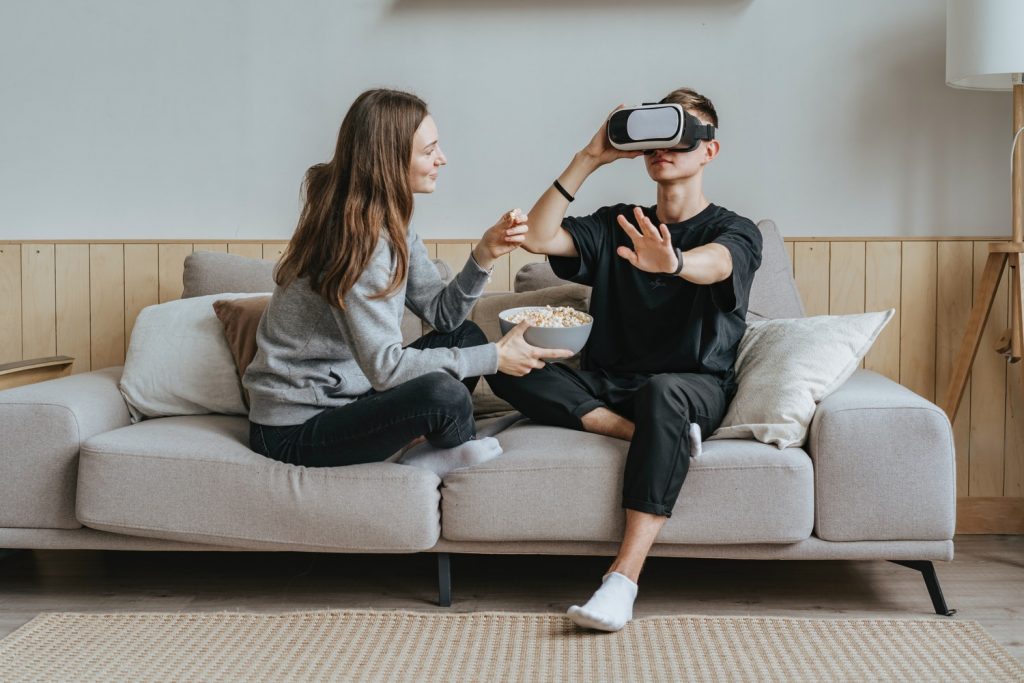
column 42, row 427
column 884, row 464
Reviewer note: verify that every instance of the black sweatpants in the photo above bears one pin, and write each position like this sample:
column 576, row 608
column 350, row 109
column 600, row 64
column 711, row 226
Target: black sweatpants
column 377, row 424
column 662, row 406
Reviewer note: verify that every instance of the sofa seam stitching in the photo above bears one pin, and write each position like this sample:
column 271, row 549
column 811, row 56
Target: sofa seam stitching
column 594, row 469
column 86, row 522
column 262, row 468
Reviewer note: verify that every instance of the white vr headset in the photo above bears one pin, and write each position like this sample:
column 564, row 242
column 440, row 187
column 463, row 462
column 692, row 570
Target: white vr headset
column 657, row 126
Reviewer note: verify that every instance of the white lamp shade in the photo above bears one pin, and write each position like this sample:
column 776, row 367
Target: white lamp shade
column 984, row 43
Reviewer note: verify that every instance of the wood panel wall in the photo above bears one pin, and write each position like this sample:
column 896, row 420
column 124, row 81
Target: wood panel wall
column 81, row 299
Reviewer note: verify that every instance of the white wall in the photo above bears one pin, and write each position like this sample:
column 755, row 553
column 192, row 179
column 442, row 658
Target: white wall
column 193, row 119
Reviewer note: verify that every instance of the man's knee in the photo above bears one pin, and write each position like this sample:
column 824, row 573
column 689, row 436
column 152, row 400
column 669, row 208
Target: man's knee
column 470, row 334
column 662, row 390
column 501, row 384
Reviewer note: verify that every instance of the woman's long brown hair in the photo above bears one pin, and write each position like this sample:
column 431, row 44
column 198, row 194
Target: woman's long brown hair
column 349, row 200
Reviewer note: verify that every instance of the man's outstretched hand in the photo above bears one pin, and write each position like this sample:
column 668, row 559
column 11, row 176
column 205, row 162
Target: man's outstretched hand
column 652, row 247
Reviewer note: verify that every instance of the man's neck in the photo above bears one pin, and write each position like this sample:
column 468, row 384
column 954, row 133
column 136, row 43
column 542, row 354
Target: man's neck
column 678, row 202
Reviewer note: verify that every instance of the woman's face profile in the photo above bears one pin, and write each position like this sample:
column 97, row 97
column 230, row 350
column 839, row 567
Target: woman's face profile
column 427, row 157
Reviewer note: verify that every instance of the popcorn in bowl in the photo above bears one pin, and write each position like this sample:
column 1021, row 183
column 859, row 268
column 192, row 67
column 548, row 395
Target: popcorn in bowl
column 550, row 327
column 550, row 316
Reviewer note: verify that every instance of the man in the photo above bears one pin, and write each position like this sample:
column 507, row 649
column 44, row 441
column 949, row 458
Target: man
column 670, row 289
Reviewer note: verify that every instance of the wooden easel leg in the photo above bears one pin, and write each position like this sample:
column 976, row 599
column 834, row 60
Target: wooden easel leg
column 975, row 326
column 1017, row 307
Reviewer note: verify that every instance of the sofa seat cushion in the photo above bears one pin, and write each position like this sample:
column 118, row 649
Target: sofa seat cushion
column 193, row 478
column 555, row 484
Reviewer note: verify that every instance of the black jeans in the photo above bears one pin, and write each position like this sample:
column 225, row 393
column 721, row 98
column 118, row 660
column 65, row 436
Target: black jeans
column 377, row 424
column 661, row 406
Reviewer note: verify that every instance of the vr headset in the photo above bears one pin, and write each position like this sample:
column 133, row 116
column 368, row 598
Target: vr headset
column 657, row 126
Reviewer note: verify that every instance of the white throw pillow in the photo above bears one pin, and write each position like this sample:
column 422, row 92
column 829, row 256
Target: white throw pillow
column 785, row 367
column 179, row 363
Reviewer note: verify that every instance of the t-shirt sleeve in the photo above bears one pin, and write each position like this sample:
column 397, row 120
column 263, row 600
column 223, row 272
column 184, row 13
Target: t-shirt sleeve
column 590, row 235
column 743, row 240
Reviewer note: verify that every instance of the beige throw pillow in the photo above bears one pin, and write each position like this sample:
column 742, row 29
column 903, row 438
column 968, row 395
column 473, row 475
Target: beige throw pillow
column 784, row 367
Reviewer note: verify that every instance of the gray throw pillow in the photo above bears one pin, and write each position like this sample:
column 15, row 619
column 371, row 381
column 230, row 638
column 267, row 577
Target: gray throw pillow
column 538, row 275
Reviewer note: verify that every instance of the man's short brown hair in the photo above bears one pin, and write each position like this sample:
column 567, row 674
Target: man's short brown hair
column 693, row 102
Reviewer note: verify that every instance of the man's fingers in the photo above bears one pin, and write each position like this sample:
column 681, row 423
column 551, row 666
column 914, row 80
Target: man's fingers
column 645, row 223
column 621, row 106
column 518, row 230
column 665, row 235
column 628, row 227
column 627, row 254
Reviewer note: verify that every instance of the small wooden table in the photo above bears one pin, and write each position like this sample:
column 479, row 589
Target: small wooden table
column 34, row 370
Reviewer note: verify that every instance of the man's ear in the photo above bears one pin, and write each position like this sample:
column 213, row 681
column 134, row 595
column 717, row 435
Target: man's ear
column 711, row 149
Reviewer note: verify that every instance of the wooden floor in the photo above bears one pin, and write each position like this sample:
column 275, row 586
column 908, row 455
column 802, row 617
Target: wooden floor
column 984, row 583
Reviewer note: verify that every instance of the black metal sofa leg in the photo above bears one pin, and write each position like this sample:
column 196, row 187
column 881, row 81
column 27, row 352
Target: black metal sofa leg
column 444, row 580
column 932, row 581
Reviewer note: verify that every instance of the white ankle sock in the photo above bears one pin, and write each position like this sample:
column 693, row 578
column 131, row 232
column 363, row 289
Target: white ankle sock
column 695, row 440
column 611, row 608
column 441, row 461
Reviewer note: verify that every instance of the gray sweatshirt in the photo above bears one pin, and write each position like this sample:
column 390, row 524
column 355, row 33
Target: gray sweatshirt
column 312, row 356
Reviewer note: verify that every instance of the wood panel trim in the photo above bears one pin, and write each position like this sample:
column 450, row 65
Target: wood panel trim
column 990, row 515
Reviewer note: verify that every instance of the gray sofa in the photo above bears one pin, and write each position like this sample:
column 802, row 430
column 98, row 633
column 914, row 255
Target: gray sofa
column 874, row 481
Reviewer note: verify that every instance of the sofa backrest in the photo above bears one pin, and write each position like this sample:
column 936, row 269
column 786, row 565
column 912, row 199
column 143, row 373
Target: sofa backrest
column 208, row 272
column 773, row 293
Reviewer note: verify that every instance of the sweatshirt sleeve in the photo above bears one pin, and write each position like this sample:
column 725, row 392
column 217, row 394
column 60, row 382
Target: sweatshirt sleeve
column 443, row 307
column 372, row 327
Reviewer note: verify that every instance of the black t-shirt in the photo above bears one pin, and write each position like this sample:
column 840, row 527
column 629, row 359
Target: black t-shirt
column 648, row 323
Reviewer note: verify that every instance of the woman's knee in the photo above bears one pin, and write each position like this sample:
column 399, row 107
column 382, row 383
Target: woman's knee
column 441, row 389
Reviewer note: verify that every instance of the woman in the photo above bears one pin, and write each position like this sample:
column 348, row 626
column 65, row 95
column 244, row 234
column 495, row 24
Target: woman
column 331, row 383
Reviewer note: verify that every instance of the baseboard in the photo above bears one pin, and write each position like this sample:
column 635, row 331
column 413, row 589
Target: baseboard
column 997, row 515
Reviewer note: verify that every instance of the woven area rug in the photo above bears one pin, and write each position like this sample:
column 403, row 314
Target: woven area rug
column 367, row 645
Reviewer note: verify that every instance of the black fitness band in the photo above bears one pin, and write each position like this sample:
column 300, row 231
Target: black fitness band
column 679, row 268
column 565, row 193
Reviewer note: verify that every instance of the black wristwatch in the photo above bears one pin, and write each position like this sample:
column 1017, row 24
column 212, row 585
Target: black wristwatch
column 679, row 268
